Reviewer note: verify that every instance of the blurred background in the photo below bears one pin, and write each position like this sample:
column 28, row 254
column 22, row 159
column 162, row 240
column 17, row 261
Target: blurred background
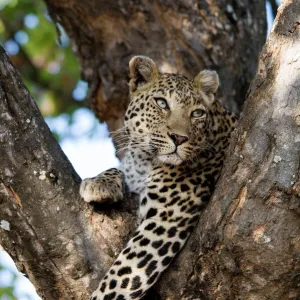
column 50, row 71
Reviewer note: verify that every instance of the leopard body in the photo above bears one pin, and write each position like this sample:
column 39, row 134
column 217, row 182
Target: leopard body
column 177, row 135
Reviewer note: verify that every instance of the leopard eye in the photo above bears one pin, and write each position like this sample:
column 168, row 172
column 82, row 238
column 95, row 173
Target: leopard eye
column 161, row 102
column 198, row 113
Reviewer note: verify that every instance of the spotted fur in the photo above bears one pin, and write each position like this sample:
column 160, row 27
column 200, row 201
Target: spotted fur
column 176, row 136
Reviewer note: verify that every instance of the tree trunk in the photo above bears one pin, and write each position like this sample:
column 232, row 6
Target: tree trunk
column 246, row 245
column 247, row 242
column 54, row 237
column 181, row 36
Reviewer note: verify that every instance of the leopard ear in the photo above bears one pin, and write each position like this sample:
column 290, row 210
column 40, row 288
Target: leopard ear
column 207, row 81
column 142, row 72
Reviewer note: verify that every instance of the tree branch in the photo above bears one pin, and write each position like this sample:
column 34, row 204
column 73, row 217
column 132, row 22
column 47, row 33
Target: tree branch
column 59, row 242
column 246, row 245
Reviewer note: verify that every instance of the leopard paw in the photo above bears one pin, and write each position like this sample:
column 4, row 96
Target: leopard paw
column 101, row 189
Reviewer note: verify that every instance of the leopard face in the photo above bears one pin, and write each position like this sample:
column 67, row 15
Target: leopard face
column 170, row 116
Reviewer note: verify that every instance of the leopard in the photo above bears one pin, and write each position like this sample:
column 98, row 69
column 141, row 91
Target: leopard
column 176, row 136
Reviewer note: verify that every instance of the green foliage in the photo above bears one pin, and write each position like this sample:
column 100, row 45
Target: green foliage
column 49, row 70
column 7, row 292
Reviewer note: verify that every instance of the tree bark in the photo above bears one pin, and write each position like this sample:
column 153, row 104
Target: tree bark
column 54, row 238
column 181, row 36
column 246, row 245
column 247, row 242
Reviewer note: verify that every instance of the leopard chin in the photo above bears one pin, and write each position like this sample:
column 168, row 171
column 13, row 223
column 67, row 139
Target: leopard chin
column 171, row 159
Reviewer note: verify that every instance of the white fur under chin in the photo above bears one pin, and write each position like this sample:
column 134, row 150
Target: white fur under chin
column 172, row 159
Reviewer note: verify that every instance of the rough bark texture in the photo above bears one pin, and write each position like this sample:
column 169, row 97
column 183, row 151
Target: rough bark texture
column 53, row 236
column 181, row 36
column 247, row 242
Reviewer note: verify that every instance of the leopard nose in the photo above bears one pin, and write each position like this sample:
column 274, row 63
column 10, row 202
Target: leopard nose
column 178, row 139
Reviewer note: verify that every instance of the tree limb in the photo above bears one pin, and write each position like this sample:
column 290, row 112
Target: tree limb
column 247, row 242
column 54, row 238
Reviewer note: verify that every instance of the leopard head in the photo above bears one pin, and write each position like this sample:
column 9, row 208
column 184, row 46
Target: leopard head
column 169, row 116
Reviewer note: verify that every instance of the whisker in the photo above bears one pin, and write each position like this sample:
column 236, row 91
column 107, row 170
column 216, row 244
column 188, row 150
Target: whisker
column 119, row 130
